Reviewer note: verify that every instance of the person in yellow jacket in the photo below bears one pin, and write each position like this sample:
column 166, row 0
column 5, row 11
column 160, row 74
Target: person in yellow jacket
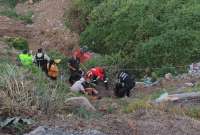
column 26, row 59
column 52, row 70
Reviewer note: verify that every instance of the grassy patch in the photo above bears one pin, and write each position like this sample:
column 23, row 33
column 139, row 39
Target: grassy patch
column 137, row 105
column 25, row 89
column 193, row 112
column 27, row 18
column 156, row 94
column 18, row 43
column 83, row 113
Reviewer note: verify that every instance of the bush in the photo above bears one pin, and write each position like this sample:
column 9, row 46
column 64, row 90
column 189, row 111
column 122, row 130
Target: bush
column 13, row 3
column 10, row 3
column 151, row 33
column 166, row 69
column 25, row 90
column 27, row 18
column 18, row 43
column 175, row 47
column 79, row 13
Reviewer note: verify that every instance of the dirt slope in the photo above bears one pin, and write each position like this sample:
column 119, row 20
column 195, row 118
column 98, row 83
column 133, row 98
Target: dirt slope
column 48, row 30
column 9, row 27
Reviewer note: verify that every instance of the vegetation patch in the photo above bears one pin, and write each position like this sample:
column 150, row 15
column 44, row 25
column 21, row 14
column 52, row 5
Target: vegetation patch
column 18, row 43
column 139, row 104
column 27, row 91
column 27, row 18
column 155, row 34
column 83, row 113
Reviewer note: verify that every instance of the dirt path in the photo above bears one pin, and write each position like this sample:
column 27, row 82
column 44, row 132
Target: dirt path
column 48, row 29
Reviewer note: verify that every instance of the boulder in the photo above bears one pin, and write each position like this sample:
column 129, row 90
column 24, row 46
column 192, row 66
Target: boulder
column 30, row 2
column 42, row 130
column 77, row 102
column 168, row 76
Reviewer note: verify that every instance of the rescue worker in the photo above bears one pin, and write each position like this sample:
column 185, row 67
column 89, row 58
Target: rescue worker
column 79, row 86
column 52, row 70
column 97, row 74
column 74, row 68
column 41, row 59
column 125, row 82
column 74, row 64
column 26, row 59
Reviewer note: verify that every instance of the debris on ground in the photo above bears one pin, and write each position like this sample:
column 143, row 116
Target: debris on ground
column 189, row 84
column 179, row 97
column 163, row 97
column 194, row 69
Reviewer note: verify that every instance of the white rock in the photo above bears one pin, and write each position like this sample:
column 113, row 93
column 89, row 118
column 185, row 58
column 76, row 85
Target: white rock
column 38, row 131
column 77, row 102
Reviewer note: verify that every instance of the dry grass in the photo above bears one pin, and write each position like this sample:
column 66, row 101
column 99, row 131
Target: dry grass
column 25, row 92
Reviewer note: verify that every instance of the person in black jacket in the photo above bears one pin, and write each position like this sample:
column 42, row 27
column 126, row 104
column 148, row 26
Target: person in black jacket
column 125, row 82
column 74, row 68
column 41, row 59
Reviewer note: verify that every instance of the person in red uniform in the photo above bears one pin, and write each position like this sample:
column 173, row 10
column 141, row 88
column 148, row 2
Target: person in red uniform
column 97, row 74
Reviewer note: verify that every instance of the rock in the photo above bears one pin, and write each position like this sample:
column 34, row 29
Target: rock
column 92, row 132
column 77, row 102
column 30, row 2
column 114, row 106
column 42, row 130
column 189, row 84
column 38, row 131
column 168, row 76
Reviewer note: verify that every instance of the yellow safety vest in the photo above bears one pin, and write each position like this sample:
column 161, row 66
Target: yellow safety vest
column 26, row 59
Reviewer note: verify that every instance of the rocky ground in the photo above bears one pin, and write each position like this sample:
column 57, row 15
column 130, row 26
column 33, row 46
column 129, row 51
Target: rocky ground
column 48, row 31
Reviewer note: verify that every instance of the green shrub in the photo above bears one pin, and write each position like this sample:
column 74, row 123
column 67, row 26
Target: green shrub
column 151, row 33
column 27, row 18
column 166, row 69
column 174, row 47
column 10, row 3
column 13, row 3
column 9, row 13
column 193, row 112
column 80, row 9
column 18, row 43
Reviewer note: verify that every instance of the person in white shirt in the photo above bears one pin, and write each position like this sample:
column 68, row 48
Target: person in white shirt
column 78, row 87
